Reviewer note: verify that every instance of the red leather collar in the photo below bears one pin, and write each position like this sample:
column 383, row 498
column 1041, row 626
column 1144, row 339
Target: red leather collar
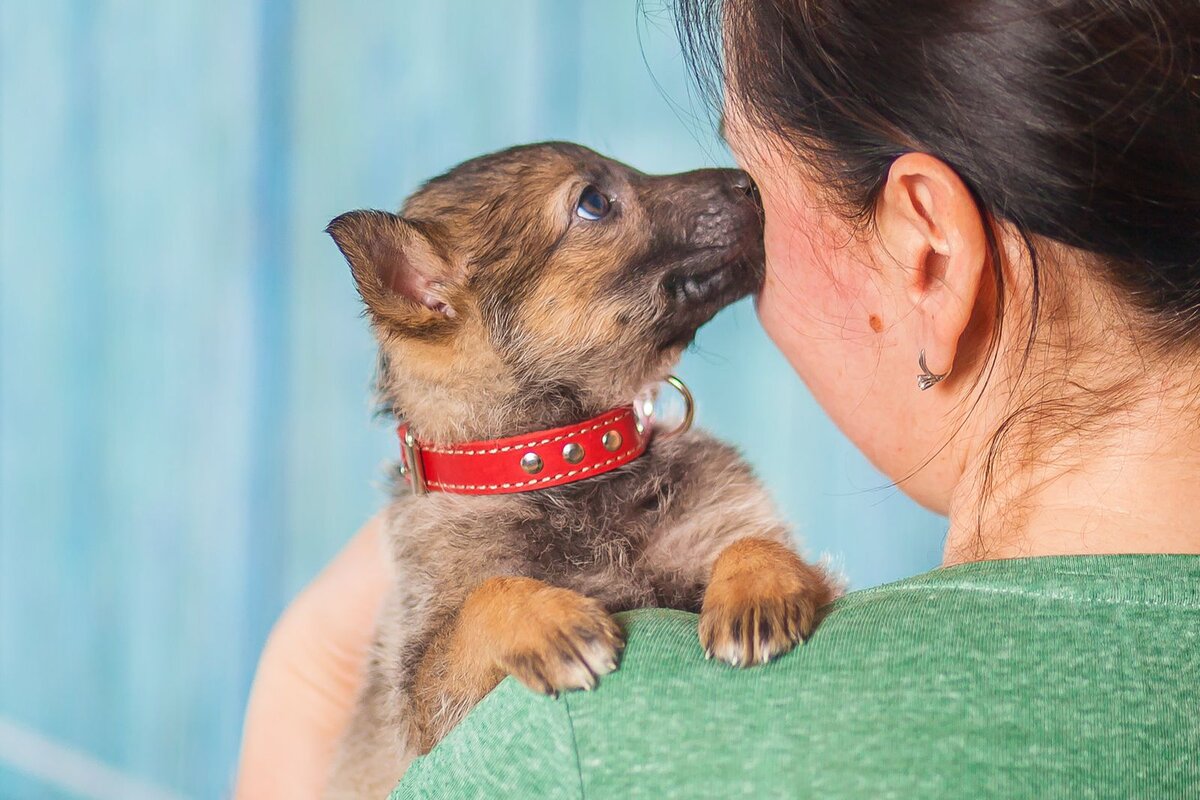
column 528, row 462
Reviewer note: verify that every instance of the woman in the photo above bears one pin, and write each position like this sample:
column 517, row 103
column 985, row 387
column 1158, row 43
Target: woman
column 983, row 257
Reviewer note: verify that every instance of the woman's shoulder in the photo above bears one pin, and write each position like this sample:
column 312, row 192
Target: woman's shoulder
column 997, row 678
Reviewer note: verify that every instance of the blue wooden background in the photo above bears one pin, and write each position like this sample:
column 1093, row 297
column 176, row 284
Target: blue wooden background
column 185, row 433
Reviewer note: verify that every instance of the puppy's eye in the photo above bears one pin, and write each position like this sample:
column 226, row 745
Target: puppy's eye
column 592, row 205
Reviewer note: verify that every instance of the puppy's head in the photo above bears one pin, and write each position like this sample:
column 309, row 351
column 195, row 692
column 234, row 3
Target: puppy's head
column 542, row 284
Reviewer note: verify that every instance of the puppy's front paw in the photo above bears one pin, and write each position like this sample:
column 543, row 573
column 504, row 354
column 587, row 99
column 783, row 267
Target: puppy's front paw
column 762, row 600
column 564, row 641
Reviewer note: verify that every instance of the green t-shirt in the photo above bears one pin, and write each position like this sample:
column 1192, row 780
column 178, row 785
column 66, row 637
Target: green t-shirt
column 1071, row 677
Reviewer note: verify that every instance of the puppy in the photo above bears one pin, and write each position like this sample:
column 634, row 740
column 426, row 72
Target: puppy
column 541, row 287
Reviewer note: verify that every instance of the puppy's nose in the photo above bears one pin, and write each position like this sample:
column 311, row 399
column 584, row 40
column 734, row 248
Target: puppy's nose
column 746, row 185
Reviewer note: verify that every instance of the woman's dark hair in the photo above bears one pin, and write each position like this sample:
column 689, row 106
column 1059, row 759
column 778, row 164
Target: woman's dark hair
column 1074, row 120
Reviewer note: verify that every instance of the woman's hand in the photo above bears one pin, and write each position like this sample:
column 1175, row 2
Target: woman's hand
column 309, row 674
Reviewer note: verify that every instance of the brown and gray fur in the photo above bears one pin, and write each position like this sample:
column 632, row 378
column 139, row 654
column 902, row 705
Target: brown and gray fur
column 500, row 310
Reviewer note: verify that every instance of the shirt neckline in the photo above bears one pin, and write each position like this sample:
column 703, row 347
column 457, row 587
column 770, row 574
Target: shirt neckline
column 1142, row 579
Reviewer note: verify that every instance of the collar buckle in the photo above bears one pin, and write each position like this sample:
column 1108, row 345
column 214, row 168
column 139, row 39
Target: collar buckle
column 412, row 465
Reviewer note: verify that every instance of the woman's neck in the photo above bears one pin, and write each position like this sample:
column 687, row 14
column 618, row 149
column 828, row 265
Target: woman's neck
column 1127, row 482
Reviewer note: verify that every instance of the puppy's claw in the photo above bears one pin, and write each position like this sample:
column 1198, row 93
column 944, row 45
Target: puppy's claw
column 568, row 643
column 726, row 633
column 762, row 601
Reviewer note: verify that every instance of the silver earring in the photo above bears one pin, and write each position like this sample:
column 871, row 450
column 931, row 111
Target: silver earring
column 927, row 379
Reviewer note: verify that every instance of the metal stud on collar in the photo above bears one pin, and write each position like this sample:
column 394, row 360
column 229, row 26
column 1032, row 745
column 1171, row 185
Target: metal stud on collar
column 532, row 463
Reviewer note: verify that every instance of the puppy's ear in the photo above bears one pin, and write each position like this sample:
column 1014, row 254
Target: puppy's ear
column 401, row 273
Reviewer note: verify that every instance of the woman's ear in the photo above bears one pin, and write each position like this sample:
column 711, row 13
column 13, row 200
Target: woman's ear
column 931, row 228
column 400, row 272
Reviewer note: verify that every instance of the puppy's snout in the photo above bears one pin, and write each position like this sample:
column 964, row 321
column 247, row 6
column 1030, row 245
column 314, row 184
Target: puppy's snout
column 714, row 207
column 741, row 194
column 743, row 183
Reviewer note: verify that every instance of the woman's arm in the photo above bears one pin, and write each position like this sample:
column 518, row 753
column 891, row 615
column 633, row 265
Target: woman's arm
column 309, row 675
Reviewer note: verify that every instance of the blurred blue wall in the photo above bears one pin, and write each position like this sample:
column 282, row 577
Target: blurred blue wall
column 185, row 432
